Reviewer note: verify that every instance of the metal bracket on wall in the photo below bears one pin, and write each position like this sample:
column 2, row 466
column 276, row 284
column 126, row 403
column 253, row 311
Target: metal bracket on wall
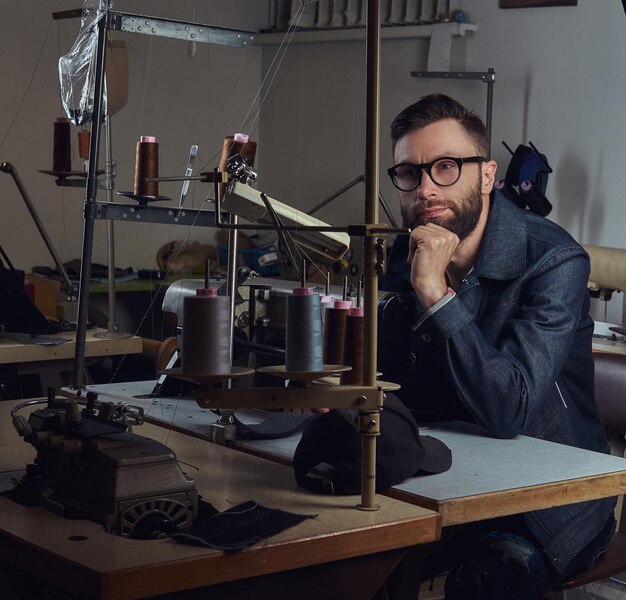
column 488, row 77
column 179, row 30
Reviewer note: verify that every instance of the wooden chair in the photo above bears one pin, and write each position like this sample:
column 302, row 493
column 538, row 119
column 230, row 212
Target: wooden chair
column 610, row 392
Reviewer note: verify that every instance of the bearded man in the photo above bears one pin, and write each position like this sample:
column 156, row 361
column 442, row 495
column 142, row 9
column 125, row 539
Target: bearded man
column 502, row 339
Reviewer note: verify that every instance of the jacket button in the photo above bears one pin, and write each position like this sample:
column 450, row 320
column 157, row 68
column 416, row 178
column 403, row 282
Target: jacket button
column 426, row 337
column 412, row 358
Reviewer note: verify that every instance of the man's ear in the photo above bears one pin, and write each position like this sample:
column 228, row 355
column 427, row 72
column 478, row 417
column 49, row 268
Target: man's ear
column 488, row 177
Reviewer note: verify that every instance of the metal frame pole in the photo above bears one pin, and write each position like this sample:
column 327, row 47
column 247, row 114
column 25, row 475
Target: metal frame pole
column 90, row 210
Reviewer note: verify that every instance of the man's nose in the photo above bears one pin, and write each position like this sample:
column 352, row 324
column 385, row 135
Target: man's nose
column 426, row 183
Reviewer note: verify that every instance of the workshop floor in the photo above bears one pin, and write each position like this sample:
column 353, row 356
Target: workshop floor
column 436, row 593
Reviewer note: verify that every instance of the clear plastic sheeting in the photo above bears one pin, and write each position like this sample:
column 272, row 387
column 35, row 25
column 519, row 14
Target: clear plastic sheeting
column 77, row 69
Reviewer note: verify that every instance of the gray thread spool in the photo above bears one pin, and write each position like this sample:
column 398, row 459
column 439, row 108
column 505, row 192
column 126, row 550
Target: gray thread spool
column 303, row 347
column 206, row 334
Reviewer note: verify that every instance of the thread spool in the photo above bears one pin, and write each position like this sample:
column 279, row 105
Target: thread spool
column 535, row 198
column 146, row 166
column 335, row 331
column 353, row 350
column 326, row 301
column 236, row 144
column 509, row 192
column 62, row 147
column 84, row 138
column 206, row 334
column 83, row 144
column 303, row 345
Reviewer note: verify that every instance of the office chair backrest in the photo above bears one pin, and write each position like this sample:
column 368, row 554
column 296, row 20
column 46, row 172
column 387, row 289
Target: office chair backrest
column 610, row 389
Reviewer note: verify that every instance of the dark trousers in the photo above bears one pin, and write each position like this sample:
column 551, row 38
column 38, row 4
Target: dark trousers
column 499, row 559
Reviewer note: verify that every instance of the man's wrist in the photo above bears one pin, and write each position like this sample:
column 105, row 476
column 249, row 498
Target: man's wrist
column 430, row 296
column 450, row 293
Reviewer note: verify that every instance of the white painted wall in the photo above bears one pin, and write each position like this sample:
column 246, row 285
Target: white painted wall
column 560, row 83
column 180, row 99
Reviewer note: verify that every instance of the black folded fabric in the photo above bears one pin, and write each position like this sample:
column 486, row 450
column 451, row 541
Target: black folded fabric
column 239, row 527
column 276, row 425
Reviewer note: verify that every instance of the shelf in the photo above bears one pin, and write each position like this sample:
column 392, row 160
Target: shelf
column 440, row 34
column 351, row 34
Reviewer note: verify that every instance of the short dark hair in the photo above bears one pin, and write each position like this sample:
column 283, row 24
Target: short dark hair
column 437, row 107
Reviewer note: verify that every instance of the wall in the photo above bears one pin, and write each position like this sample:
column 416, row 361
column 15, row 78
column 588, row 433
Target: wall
column 179, row 98
column 560, row 83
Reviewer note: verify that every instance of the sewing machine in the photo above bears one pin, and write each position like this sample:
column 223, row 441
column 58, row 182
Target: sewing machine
column 90, row 465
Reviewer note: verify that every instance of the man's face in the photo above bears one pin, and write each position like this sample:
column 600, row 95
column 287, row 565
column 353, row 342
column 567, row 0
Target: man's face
column 457, row 207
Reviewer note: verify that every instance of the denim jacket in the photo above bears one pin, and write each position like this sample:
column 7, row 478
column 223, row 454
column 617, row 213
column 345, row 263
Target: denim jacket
column 514, row 348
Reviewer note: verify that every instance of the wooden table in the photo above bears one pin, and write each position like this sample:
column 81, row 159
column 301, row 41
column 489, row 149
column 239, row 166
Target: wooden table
column 95, row 346
column 489, row 477
column 51, row 361
column 78, row 557
column 493, row 477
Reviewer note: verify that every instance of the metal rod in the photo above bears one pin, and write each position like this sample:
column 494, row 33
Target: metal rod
column 70, row 290
column 368, row 442
column 336, row 194
column 488, row 116
column 90, row 210
column 344, row 189
column 112, row 326
column 391, row 218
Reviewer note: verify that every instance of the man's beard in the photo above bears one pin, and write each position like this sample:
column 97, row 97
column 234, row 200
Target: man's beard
column 466, row 213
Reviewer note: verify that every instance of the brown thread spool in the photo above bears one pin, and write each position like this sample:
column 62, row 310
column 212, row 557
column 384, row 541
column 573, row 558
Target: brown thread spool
column 146, row 166
column 83, row 144
column 334, row 332
column 353, row 350
column 233, row 145
column 62, row 147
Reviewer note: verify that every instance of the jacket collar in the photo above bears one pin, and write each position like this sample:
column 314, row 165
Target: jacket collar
column 502, row 253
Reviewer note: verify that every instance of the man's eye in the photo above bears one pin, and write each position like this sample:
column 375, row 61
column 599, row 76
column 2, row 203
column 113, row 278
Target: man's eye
column 406, row 172
column 445, row 165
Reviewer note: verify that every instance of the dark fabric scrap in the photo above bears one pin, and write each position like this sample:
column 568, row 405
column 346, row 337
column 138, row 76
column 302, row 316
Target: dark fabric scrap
column 276, row 425
column 239, row 527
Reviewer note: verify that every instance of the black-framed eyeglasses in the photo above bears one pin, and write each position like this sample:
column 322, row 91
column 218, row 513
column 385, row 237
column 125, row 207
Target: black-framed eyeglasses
column 443, row 171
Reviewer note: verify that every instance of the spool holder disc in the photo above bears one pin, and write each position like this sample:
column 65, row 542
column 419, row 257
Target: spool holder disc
column 206, row 378
column 143, row 200
column 303, row 377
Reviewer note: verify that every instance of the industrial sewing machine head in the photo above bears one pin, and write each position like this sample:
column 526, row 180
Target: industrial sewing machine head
column 89, row 464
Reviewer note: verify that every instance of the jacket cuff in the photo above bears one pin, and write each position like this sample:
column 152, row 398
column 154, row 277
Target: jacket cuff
column 450, row 293
column 443, row 323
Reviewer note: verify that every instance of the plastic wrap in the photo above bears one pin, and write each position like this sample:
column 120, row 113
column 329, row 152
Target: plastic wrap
column 77, row 69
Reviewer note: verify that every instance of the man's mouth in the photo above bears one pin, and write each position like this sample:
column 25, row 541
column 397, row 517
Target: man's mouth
column 431, row 211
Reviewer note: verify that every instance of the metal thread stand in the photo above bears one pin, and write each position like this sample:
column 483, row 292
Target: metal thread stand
column 113, row 329
column 146, row 25
column 367, row 398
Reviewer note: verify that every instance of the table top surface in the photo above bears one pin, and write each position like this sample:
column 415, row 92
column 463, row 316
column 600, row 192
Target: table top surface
column 92, row 563
column 489, row 477
column 62, row 346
